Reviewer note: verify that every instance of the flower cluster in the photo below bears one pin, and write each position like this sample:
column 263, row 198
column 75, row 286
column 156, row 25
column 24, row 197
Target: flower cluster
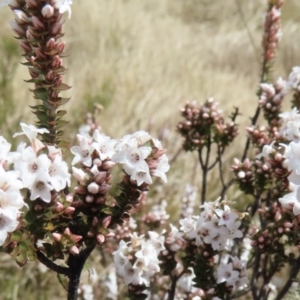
column 205, row 125
column 142, row 156
column 232, row 273
column 37, row 167
column 137, row 261
column 273, row 33
column 217, row 226
column 271, row 99
column 41, row 167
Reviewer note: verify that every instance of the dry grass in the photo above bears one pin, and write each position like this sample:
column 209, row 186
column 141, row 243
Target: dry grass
column 142, row 59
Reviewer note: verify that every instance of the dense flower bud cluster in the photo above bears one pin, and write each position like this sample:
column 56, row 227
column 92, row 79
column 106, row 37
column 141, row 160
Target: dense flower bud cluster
column 205, row 125
column 271, row 99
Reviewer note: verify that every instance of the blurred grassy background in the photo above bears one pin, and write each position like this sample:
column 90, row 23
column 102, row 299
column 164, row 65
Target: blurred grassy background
column 141, row 60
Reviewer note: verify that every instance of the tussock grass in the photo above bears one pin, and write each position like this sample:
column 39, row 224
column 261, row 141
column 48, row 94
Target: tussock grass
column 142, row 60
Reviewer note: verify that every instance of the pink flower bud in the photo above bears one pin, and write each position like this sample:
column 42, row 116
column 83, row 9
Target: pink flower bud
column 97, row 162
column 69, row 210
column 47, row 11
column 20, row 16
column 81, row 190
column 32, row 3
column 90, row 234
column 107, row 165
column 60, row 47
column 50, row 44
column 37, row 23
column 58, row 80
column 110, row 234
column 59, row 207
column 100, row 238
column 93, row 188
column 95, row 221
column 40, row 54
column 70, row 198
column 100, row 177
column 67, row 231
column 56, row 28
column 50, row 77
column 17, row 28
column 261, row 239
column 25, row 46
column 56, row 62
column 57, row 236
column 104, row 188
column 89, row 199
column 106, row 221
column 74, row 250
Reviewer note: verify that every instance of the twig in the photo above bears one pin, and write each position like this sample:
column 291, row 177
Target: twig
column 51, row 265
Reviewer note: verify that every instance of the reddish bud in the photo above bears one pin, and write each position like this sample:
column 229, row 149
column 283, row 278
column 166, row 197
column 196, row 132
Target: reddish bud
column 100, row 238
column 57, row 236
column 107, row 165
column 56, row 28
column 69, row 210
column 89, row 199
column 50, row 44
column 60, row 47
column 50, row 76
column 37, row 23
column 56, row 62
column 106, row 221
column 74, row 250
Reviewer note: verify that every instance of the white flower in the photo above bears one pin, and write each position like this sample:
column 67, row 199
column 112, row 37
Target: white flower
column 32, row 166
column 58, row 173
column 291, row 201
column 4, row 148
column 266, row 151
column 162, row 167
column 294, row 79
column 8, row 222
column 228, row 274
column 291, row 125
column 104, row 145
column 140, row 176
column 63, row 6
column 31, row 132
column 83, row 152
column 227, row 217
column 41, row 188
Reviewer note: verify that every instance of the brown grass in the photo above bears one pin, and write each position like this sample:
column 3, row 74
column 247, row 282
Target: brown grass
column 143, row 59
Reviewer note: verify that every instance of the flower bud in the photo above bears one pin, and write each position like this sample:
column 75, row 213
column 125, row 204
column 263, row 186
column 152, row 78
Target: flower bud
column 56, row 62
column 107, row 165
column 93, row 188
column 56, row 28
column 80, row 190
column 89, row 199
column 50, row 44
column 74, row 250
column 17, row 28
column 37, row 23
column 20, row 16
column 104, row 188
column 100, row 238
column 32, row 3
column 69, row 210
column 57, row 236
column 47, row 11
column 60, row 47
column 106, row 221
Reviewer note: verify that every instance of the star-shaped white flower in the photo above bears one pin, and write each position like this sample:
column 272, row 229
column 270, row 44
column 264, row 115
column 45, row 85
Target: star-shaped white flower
column 82, row 152
column 63, row 6
column 31, row 132
column 104, row 145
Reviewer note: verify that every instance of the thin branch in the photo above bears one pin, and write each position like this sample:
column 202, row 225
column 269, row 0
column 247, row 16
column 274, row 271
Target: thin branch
column 293, row 274
column 51, row 265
